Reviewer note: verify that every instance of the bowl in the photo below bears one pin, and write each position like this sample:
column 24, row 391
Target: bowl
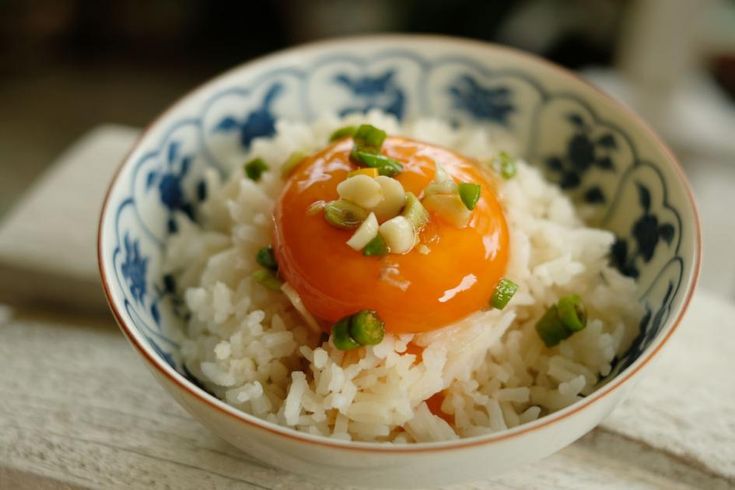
column 605, row 157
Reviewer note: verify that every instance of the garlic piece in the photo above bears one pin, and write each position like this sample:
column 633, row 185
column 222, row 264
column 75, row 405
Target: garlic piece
column 394, row 197
column 448, row 207
column 366, row 232
column 361, row 190
column 398, row 234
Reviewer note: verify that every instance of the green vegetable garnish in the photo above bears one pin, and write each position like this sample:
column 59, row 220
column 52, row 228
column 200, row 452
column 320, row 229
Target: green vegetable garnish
column 369, row 138
column 415, row 212
column 385, row 165
column 267, row 279
column 572, row 312
column 561, row 320
column 254, row 168
column 344, row 214
column 504, row 291
column 341, row 335
column 469, row 193
column 292, row 162
column 507, row 165
column 376, row 247
column 367, row 328
column 363, row 328
column 551, row 329
column 343, row 132
column 266, row 258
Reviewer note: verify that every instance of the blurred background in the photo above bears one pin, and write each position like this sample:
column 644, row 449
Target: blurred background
column 67, row 66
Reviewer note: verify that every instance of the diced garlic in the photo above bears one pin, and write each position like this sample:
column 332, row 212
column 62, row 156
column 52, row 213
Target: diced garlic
column 440, row 174
column 361, row 190
column 366, row 232
column 394, row 197
column 443, row 187
column 448, row 207
column 398, row 234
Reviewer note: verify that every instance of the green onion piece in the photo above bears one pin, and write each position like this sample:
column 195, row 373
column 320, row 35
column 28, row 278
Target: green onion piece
column 385, row 165
column 415, row 212
column 507, row 165
column 369, row 138
column 341, row 335
column 266, row 258
column 572, row 312
column 376, row 247
column 315, row 207
column 267, row 279
column 292, row 162
column 551, row 329
column 254, row 168
column 343, row 132
column 344, row 214
column 504, row 291
column 367, row 328
column 469, row 193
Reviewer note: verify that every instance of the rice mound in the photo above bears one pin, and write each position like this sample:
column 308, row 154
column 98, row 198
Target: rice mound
column 251, row 348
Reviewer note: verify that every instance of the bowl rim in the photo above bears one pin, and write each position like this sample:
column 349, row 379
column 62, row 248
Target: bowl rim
column 201, row 396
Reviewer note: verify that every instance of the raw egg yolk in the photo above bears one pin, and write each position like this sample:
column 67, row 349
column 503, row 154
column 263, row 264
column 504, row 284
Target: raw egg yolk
column 453, row 275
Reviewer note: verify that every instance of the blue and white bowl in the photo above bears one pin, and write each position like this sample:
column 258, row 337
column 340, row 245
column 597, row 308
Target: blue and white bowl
column 600, row 152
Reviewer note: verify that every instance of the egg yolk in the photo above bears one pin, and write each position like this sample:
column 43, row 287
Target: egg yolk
column 453, row 275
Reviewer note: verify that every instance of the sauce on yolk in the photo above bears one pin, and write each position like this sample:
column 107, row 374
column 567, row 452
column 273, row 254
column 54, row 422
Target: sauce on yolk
column 414, row 292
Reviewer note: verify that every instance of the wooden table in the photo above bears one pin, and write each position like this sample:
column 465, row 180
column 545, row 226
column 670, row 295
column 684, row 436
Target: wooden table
column 78, row 409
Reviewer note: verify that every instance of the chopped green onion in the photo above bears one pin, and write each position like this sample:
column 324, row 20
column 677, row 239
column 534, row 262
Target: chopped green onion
column 316, row 207
column 563, row 319
column 367, row 328
column 376, row 247
column 369, row 138
column 344, row 214
column 415, row 212
column 507, row 165
column 572, row 312
column 551, row 329
column 254, row 168
column 293, row 161
column 385, row 165
column 504, row 291
column 342, row 133
column 267, row 279
column 341, row 335
column 363, row 328
column 266, row 258
column 469, row 193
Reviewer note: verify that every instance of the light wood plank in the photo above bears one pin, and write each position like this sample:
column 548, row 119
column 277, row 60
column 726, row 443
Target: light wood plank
column 78, row 407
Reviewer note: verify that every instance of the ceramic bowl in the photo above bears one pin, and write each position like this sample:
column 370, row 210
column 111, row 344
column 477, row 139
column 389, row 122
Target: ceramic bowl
column 600, row 152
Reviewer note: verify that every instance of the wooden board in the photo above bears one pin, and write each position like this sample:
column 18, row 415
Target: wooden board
column 78, row 409
column 56, row 263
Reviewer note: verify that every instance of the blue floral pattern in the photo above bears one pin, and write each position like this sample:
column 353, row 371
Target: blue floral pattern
column 648, row 239
column 648, row 231
column 373, row 92
column 255, row 124
column 649, row 327
column 169, row 182
column 583, row 152
column 487, row 103
column 134, row 269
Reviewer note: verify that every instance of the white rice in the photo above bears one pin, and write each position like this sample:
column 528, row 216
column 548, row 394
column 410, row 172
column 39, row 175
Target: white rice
column 251, row 348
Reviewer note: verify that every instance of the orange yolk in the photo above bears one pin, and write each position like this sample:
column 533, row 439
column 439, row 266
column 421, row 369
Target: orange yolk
column 414, row 292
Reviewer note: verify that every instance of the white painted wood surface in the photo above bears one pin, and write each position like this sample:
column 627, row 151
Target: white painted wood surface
column 56, row 262
column 79, row 409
